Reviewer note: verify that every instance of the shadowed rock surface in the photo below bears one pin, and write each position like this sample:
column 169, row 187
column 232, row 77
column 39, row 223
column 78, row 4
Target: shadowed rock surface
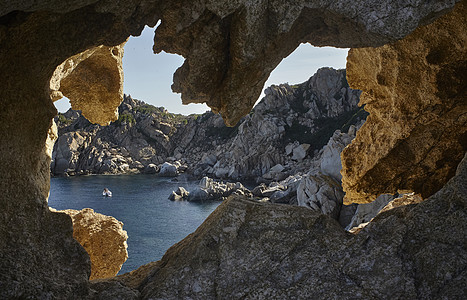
column 416, row 93
column 223, row 42
column 249, row 250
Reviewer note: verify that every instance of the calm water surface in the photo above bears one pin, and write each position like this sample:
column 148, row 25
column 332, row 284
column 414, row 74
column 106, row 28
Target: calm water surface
column 153, row 222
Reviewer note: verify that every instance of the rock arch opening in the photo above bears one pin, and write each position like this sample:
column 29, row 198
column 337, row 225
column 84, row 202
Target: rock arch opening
column 37, row 248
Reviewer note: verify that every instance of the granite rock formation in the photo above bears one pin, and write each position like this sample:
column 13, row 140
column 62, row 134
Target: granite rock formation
column 232, row 35
column 280, row 137
column 251, row 250
column 416, row 93
column 222, row 42
column 103, row 238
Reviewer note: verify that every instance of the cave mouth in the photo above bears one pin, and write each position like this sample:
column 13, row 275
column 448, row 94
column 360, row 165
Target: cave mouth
column 151, row 226
column 42, row 257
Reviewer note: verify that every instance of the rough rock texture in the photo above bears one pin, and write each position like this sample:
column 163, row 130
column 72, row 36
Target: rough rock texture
column 281, row 128
column 93, row 81
column 39, row 257
column 320, row 193
column 246, row 40
column 209, row 189
column 251, row 250
column 287, row 128
column 320, row 188
column 103, row 238
column 168, row 170
column 416, row 92
column 222, row 44
column 367, row 211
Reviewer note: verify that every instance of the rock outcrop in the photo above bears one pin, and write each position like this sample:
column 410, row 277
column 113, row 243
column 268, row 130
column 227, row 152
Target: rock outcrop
column 251, row 250
column 279, row 138
column 415, row 92
column 103, row 238
column 209, row 189
column 93, row 81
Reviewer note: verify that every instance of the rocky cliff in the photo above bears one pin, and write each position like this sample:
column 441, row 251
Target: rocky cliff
column 416, row 92
column 278, row 138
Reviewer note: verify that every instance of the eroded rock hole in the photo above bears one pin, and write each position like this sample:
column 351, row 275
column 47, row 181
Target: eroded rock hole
column 285, row 151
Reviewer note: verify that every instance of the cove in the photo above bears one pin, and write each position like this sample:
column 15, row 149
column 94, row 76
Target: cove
column 153, row 223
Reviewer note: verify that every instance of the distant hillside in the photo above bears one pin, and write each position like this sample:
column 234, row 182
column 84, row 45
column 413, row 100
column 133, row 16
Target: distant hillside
column 288, row 127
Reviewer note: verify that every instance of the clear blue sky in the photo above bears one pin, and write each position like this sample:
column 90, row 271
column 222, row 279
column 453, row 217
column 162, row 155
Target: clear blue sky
column 148, row 76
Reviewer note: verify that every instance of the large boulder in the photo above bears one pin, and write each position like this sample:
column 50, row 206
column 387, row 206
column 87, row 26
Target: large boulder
column 103, row 238
column 209, row 189
column 367, row 211
column 330, row 160
column 320, row 193
column 168, row 170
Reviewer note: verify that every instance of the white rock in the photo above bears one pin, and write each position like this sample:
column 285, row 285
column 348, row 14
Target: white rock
column 277, row 168
column 330, row 161
column 366, row 212
column 300, row 152
column 321, row 193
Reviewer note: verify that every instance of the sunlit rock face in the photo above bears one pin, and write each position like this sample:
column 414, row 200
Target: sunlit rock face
column 93, row 81
column 103, row 238
column 416, row 92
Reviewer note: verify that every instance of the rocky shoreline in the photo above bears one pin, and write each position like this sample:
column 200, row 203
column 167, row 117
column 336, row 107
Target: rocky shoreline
column 280, row 137
column 289, row 145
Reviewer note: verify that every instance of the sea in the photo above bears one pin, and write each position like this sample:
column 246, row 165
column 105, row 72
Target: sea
column 152, row 221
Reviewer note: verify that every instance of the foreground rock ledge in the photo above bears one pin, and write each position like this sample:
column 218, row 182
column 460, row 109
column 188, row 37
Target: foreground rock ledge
column 103, row 238
column 250, row 250
column 416, row 93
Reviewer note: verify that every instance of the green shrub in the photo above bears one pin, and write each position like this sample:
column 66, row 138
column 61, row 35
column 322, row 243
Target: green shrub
column 147, row 109
column 125, row 118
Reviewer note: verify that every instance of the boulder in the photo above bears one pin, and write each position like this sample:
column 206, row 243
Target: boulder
column 103, row 238
column 277, row 168
column 330, row 160
column 151, row 169
column 168, row 170
column 209, row 159
column 320, row 193
column 300, row 152
column 366, row 212
column 180, row 194
column 209, row 189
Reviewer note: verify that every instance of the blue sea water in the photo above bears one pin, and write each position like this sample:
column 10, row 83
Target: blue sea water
column 153, row 222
